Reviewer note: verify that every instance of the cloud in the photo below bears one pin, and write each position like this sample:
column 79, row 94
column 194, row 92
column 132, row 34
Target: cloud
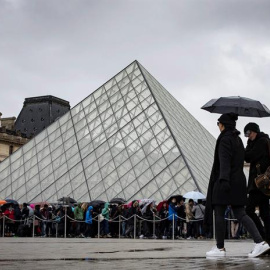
column 197, row 49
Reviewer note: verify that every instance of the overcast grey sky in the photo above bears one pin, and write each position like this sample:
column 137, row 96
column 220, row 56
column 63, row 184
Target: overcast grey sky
column 198, row 50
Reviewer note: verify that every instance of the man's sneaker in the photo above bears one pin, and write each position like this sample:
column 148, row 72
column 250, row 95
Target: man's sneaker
column 141, row 236
column 259, row 249
column 164, row 237
column 216, row 252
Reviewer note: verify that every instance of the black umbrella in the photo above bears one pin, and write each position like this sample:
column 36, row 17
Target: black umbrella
column 11, row 201
column 67, row 200
column 177, row 197
column 97, row 203
column 239, row 105
column 118, row 201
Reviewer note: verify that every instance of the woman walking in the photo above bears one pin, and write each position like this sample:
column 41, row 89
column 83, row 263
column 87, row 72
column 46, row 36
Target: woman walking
column 227, row 186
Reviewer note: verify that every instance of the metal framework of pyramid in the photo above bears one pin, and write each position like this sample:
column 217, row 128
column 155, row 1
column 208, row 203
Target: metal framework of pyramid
column 130, row 138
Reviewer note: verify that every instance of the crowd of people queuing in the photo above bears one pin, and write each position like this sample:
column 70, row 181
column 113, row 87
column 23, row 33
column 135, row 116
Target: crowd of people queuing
column 183, row 219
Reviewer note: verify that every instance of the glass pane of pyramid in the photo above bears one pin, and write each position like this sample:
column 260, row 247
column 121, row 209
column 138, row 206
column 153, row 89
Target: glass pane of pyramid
column 129, row 138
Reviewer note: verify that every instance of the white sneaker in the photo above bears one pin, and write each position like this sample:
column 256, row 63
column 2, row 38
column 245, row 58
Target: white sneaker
column 216, row 252
column 259, row 249
column 141, row 236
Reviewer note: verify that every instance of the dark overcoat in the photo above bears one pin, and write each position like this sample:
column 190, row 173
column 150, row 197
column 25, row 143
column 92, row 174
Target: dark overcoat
column 228, row 165
column 257, row 152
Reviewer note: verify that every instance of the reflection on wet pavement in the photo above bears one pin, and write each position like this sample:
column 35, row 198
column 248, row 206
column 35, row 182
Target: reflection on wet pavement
column 182, row 263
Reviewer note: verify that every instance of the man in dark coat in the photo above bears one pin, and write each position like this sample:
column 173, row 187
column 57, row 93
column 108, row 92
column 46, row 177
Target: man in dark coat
column 227, row 186
column 257, row 152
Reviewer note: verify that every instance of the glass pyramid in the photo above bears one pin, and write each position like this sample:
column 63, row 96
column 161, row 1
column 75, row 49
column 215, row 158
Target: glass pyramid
column 130, row 138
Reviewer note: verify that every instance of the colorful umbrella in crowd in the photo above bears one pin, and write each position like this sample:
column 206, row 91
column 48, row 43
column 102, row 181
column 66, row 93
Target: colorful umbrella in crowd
column 195, row 195
column 160, row 205
column 2, row 202
column 148, row 202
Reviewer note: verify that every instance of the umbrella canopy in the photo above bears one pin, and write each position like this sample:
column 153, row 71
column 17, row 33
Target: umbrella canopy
column 67, row 200
column 41, row 204
column 97, row 203
column 177, row 197
column 145, row 201
column 118, row 201
column 195, row 195
column 128, row 205
column 146, row 204
column 11, row 201
column 239, row 105
column 2, row 202
column 160, row 205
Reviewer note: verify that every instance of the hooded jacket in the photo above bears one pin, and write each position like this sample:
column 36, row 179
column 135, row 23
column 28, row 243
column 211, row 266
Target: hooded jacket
column 88, row 217
column 105, row 211
column 257, row 152
column 78, row 212
column 172, row 211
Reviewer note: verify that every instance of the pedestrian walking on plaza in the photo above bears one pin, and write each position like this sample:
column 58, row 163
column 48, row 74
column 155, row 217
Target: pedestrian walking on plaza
column 257, row 153
column 227, row 186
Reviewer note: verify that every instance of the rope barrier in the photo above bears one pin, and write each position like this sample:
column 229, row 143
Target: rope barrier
column 116, row 219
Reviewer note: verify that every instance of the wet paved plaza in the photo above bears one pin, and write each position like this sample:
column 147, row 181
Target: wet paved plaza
column 75, row 253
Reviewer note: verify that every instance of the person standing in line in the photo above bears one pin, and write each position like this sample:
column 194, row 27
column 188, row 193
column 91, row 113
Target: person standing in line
column 105, row 223
column 257, row 153
column 172, row 217
column 78, row 215
column 88, row 222
column 227, row 186
column 190, row 219
column 198, row 211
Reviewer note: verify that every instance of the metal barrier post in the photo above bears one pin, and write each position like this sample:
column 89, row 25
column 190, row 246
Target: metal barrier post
column 66, row 222
column 173, row 228
column 214, row 225
column 98, row 226
column 119, row 226
column 56, row 229
column 33, row 232
column 229, row 228
column 154, row 226
column 135, row 226
column 3, row 225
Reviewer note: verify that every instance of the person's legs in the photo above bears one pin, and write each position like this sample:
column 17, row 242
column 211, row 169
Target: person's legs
column 252, row 202
column 265, row 215
column 220, row 225
column 248, row 223
column 234, row 229
column 78, row 228
column 87, row 232
column 123, row 228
